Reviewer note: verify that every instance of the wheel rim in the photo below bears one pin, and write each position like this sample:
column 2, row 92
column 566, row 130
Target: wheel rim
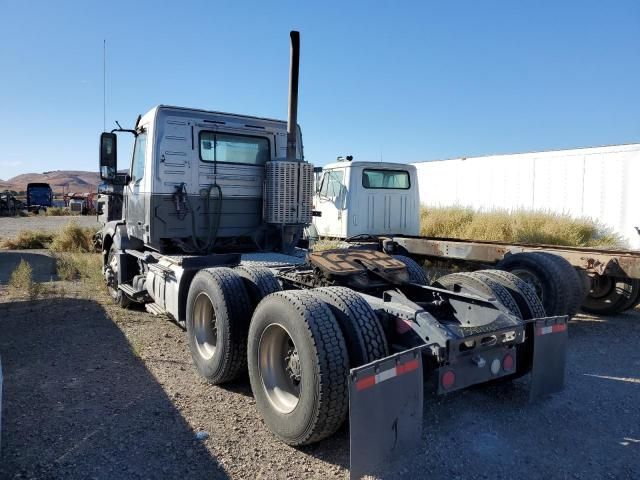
column 205, row 327
column 602, row 286
column 279, row 367
column 111, row 275
column 532, row 280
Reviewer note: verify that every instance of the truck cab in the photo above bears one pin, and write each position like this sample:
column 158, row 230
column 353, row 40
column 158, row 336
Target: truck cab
column 39, row 196
column 358, row 198
column 197, row 179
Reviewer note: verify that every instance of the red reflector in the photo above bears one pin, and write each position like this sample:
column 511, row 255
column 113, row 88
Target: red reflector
column 407, row 367
column 559, row 327
column 366, row 382
column 448, row 379
column 507, row 362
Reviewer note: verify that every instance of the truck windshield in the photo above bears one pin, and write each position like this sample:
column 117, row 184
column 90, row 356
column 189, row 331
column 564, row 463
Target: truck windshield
column 379, row 178
column 228, row 148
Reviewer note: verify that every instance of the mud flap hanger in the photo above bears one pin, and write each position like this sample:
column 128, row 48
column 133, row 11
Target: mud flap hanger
column 549, row 360
column 385, row 411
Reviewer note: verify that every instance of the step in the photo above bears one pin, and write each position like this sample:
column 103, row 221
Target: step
column 154, row 309
column 132, row 292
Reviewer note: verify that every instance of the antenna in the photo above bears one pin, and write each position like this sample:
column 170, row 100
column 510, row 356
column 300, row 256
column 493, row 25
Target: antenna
column 104, row 85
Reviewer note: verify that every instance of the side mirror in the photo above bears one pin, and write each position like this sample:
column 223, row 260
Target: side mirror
column 108, row 156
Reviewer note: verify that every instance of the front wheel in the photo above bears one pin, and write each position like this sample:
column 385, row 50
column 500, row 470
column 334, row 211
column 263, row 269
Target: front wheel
column 111, row 270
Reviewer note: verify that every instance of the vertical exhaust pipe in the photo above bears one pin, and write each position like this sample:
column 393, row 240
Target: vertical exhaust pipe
column 292, row 121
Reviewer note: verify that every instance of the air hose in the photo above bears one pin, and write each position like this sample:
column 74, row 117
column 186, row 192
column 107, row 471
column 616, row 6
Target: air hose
column 213, row 208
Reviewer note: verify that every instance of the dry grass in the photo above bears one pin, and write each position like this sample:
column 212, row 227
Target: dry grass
column 517, row 227
column 326, row 244
column 29, row 239
column 57, row 212
column 73, row 238
column 21, row 282
column 80, row 266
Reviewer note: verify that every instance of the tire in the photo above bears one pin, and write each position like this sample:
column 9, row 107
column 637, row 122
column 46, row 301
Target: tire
column 118, row 296
column 612, row 295
column 529, row 304
column 258, row 282
column 574, row 282
column 530, row 307
column 218, row 312
column 309, row 401
column 416, row 272
column 360, row 327
column 544, row 276
column 481, row 285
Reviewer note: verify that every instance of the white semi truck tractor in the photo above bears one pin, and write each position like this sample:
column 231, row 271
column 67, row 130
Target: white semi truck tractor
column 213, row 208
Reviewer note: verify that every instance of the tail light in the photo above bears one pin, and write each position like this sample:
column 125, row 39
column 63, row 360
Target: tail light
column 507, row 362
column 448, row 379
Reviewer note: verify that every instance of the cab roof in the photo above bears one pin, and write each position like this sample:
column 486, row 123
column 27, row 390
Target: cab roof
column 378, row 165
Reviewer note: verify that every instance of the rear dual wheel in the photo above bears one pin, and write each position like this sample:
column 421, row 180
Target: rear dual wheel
column 553, row 279
column 512, row 293
column 218, row 312
column 298, row 367
column 610, row 295
column 481, row 285
column 300, row 348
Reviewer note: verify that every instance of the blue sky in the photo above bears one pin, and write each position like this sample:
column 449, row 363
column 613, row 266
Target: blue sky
column 407, row 81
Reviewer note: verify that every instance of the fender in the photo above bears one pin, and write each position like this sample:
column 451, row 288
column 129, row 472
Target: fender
column 116, row 232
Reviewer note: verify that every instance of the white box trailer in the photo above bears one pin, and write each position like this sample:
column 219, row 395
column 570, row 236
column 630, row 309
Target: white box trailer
column 597, row 182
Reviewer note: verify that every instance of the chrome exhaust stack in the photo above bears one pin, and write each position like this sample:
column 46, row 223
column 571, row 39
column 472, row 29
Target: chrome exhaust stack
column 292, row 120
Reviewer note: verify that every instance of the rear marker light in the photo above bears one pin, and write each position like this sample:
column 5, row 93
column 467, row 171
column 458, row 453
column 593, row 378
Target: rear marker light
column 448, row 379
column 507, row 362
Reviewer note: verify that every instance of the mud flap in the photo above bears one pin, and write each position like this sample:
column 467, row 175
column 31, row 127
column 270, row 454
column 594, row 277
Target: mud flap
column 549, row 356
column 385, row 412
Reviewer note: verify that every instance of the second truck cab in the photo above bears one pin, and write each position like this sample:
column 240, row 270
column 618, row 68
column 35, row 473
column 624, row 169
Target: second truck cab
column 360, row 198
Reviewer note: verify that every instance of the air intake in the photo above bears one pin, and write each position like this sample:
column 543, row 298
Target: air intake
column 288, row 193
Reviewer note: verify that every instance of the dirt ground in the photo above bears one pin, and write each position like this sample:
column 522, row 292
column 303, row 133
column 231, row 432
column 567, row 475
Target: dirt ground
column 10, row 226
column 93, row 391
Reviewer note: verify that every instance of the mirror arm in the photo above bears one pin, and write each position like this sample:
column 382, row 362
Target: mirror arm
column 133, row 132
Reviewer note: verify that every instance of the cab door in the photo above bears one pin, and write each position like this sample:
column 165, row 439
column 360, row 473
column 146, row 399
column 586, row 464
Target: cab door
column 134, row 191
column 331, row 201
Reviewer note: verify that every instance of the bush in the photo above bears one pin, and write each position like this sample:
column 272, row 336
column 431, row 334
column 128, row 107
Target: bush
column 73, row 238
column 21, row 281
column 83, row 266
column 57, row 212
column 516, row 227
column 28, row 239
column 326, row 244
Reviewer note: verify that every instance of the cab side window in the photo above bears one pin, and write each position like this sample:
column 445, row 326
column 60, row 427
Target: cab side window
column 332, row 183
column 139, row 151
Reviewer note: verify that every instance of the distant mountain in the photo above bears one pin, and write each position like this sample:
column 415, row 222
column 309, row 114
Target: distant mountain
column 60, row 181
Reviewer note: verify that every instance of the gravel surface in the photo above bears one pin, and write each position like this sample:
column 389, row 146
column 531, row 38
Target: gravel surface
column 10, row 226
column 92, row 391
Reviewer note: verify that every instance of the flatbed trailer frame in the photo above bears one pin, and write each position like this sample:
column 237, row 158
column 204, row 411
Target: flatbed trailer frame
column 612, row 276
column 619, row 263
